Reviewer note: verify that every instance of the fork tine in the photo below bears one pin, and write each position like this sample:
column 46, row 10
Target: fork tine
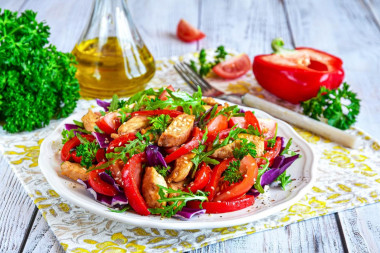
column 192, row 82
column 193, row 76
column 184, row 77
column 198, row 76
column 195, row 81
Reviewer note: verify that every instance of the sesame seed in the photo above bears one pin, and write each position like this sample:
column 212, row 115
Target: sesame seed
column 212, row 187
column 228, row 192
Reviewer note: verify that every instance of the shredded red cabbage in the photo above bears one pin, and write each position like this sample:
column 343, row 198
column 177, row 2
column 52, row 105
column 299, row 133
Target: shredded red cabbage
column 103, row 104
column 154, row 156
column 253, row 192
column 119, row 201
column 282, row 144
column 280, row 164
column 103, row 139
column 108, row 179
column 187, row 213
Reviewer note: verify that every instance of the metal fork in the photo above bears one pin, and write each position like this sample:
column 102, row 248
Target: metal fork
column 194, row 80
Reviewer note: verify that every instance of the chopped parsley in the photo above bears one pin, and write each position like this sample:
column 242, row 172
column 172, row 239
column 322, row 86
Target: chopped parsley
column 232, row 174
column 87, row 151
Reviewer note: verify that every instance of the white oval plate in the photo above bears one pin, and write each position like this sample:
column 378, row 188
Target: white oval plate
column 272, row 201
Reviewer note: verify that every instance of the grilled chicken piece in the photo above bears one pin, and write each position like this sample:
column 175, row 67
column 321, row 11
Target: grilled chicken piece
column 176, row 186
column 150, row 189
column 89, row 120
column 227, row 151
column 116, row 171
column 210, row 101
column 178, row 131
column 74, row 171
column 182, row 168
column 133, row 125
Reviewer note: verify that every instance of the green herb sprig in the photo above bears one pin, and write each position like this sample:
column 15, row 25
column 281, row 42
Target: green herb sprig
column 232, row 174
column 339, row 107
column 179, row 201
column 205, row 66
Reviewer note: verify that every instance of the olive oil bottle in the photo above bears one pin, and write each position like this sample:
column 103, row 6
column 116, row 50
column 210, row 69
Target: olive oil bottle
column 111, row 56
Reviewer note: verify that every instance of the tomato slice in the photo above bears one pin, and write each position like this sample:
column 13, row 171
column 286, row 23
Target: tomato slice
column 188, row 33
column 186, row 148
column 268, row 128
column 76, row 158
column 248, row 163
column 234, row 67
column 217, row 124
column 224, row 206
column 101, row 155
column 164, row 94
column 202, row 177
column 250, row 119
column 120, row 141
column 271, row 153
column 171, row 113
column 240, row 121
column 109, row 123
column 99, row 185
column 72, row 143
column 215, row 177
column 131, row 176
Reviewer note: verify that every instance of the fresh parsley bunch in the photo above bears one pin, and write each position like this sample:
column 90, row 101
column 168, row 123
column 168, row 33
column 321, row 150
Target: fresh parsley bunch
column 37, row 82
column 339, row 107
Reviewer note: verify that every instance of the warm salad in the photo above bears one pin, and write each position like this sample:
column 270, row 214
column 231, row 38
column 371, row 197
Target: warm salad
column 170, row 153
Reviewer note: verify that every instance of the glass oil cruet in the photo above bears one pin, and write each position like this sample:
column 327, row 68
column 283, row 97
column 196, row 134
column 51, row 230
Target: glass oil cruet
column 112, row 57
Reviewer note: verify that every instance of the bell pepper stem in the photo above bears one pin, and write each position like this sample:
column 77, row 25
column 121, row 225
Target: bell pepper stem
column 278, row 47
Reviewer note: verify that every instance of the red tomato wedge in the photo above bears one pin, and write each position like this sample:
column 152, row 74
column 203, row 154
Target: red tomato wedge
column 234, row 67
column 101, row 155
column 268, row 128
column 109, row 123
column 99, row 185
column 248, row 163
column 240, row 121
column 217, row 124
column 251, row 119
column 202, row 177
column 188, row 33
column 164, row 94
column 224, row 206
column 131, row 176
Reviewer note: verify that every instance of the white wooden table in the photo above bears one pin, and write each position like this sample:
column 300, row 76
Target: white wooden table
column 347, row 28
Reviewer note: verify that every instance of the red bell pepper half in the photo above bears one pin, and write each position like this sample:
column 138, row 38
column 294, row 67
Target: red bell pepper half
column 297, row 75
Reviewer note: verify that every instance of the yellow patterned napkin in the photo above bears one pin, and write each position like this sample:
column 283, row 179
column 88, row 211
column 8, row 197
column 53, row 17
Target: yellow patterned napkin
column 346, row 179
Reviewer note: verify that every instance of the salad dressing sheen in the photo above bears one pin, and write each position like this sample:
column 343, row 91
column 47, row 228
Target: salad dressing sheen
column 105, row 67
